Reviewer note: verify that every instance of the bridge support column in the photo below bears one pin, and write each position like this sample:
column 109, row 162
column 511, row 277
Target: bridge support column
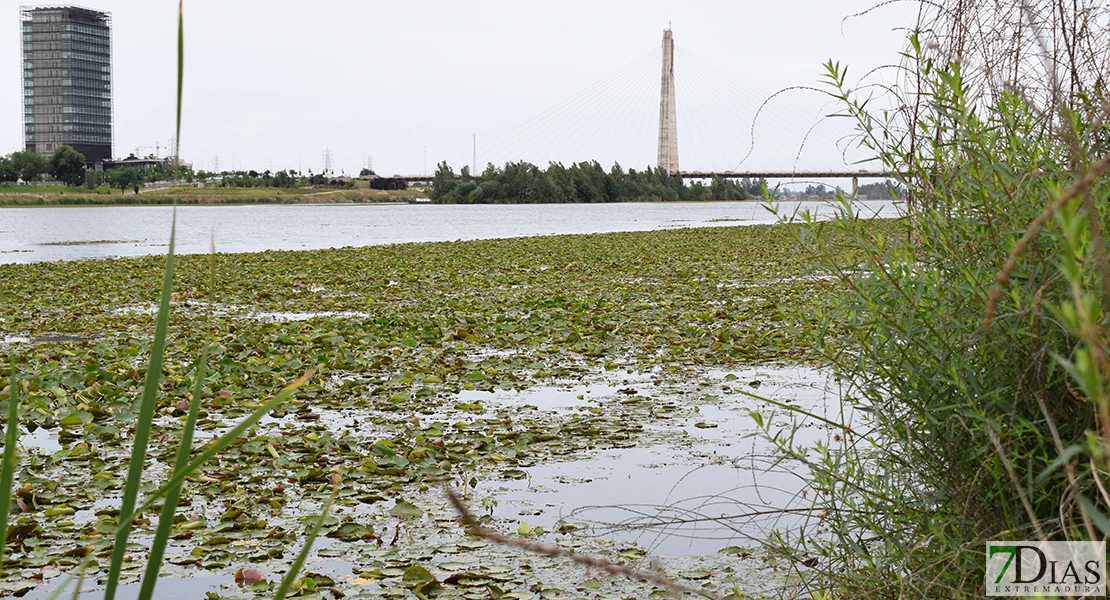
column 668, row 118
column 855, row 187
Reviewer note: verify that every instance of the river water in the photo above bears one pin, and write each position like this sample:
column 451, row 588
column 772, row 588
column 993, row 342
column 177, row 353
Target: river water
column 702, row 484
column 71, row 233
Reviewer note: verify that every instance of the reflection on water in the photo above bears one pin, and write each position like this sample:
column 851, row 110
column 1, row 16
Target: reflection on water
column 42, row 439
column 717, row 487
column 175, row 588
column 704, row 484
column 71, row 233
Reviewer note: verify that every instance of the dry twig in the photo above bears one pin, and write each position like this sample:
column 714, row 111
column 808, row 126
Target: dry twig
column 553, row 550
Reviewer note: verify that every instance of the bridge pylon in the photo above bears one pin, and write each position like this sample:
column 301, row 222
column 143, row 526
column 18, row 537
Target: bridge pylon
column 668, row 116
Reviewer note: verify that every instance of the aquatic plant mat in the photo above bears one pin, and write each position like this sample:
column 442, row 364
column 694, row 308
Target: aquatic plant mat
column 586, row 391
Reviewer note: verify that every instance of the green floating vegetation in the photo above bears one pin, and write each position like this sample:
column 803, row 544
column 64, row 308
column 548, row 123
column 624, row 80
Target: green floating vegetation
column 136, row 484
column 395, row 334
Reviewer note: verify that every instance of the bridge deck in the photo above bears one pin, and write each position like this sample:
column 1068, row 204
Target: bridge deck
column 784, row 174
column 730, row 175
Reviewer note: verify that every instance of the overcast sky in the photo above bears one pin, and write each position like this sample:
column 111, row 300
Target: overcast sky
column 271, row 84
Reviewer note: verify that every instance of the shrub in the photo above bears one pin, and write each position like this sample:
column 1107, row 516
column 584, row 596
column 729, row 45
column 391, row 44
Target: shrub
column 973, row 344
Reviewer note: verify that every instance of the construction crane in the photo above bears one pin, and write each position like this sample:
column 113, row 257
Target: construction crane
column 157, row 149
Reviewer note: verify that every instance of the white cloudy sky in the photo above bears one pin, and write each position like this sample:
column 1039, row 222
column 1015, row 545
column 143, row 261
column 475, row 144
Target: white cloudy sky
column 271, row 84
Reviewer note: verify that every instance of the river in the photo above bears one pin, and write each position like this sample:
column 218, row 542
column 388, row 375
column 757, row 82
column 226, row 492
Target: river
column 72, row 233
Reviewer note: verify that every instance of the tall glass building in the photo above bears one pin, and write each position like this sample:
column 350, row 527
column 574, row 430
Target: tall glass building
column 67, row 80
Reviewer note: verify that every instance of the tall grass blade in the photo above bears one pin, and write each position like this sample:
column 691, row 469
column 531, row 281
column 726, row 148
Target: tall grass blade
column 216, row 446
column 291, row 575
column 76, row 588
column 173, row 493
column 142, row 424
column 794, row 409
column 1095, row 514
column 7, row 470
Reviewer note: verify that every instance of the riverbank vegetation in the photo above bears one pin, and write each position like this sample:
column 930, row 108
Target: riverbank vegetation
column 521, row 183
column 30, row 179
column 58, row 196
column 976, row 341
column 524, row 183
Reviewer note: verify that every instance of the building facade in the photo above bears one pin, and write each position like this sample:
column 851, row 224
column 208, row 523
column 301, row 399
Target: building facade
column 67, row 80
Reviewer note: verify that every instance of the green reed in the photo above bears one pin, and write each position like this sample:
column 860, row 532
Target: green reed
column 972, row 343
column 170, row 490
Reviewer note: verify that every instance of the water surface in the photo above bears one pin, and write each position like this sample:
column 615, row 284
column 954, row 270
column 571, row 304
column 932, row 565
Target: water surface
column 71, row 233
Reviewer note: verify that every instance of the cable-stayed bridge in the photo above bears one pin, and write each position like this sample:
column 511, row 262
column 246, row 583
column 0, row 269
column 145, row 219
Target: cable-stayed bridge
column 677, row 112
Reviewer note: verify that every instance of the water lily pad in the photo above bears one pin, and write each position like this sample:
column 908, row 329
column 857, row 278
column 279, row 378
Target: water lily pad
column 591, row 585
column 17, row 588
column 406, row 510
column 417, row 574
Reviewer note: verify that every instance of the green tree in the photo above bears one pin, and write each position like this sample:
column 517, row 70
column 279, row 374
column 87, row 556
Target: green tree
column 124, row 178
column 881, row 190
column 283, row 180
column 30, row 165
column 8, row 172
column 68, row 165
column 93, row 178
column 443, row 184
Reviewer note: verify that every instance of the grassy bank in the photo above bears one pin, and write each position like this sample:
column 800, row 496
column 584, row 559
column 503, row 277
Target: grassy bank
column 398, row 334
column 61, row 196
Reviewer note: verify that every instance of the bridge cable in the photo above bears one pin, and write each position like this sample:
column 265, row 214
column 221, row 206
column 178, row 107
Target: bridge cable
column 694, row 77
column 627, row 101
column 696, row 95
column 627, row 86
column 556, row 126
column 782, row 133
column 575, row 102
column 570, row 101
column 714, row 104
column 629, row 123
column 734, row 84
column 743, row 88
column 510, row 147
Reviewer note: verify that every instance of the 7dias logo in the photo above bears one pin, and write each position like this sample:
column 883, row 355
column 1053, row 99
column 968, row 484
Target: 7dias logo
column 1046, row 569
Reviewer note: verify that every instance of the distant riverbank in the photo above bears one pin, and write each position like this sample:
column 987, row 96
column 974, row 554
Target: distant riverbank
column 36, row 196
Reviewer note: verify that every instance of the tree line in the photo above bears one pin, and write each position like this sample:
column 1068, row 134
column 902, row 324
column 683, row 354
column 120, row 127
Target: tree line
column 65, row 164
column 522, row 183
column 288, row 178
column 883, row 190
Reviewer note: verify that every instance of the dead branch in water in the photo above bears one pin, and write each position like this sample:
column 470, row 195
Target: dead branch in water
column 553, row 550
